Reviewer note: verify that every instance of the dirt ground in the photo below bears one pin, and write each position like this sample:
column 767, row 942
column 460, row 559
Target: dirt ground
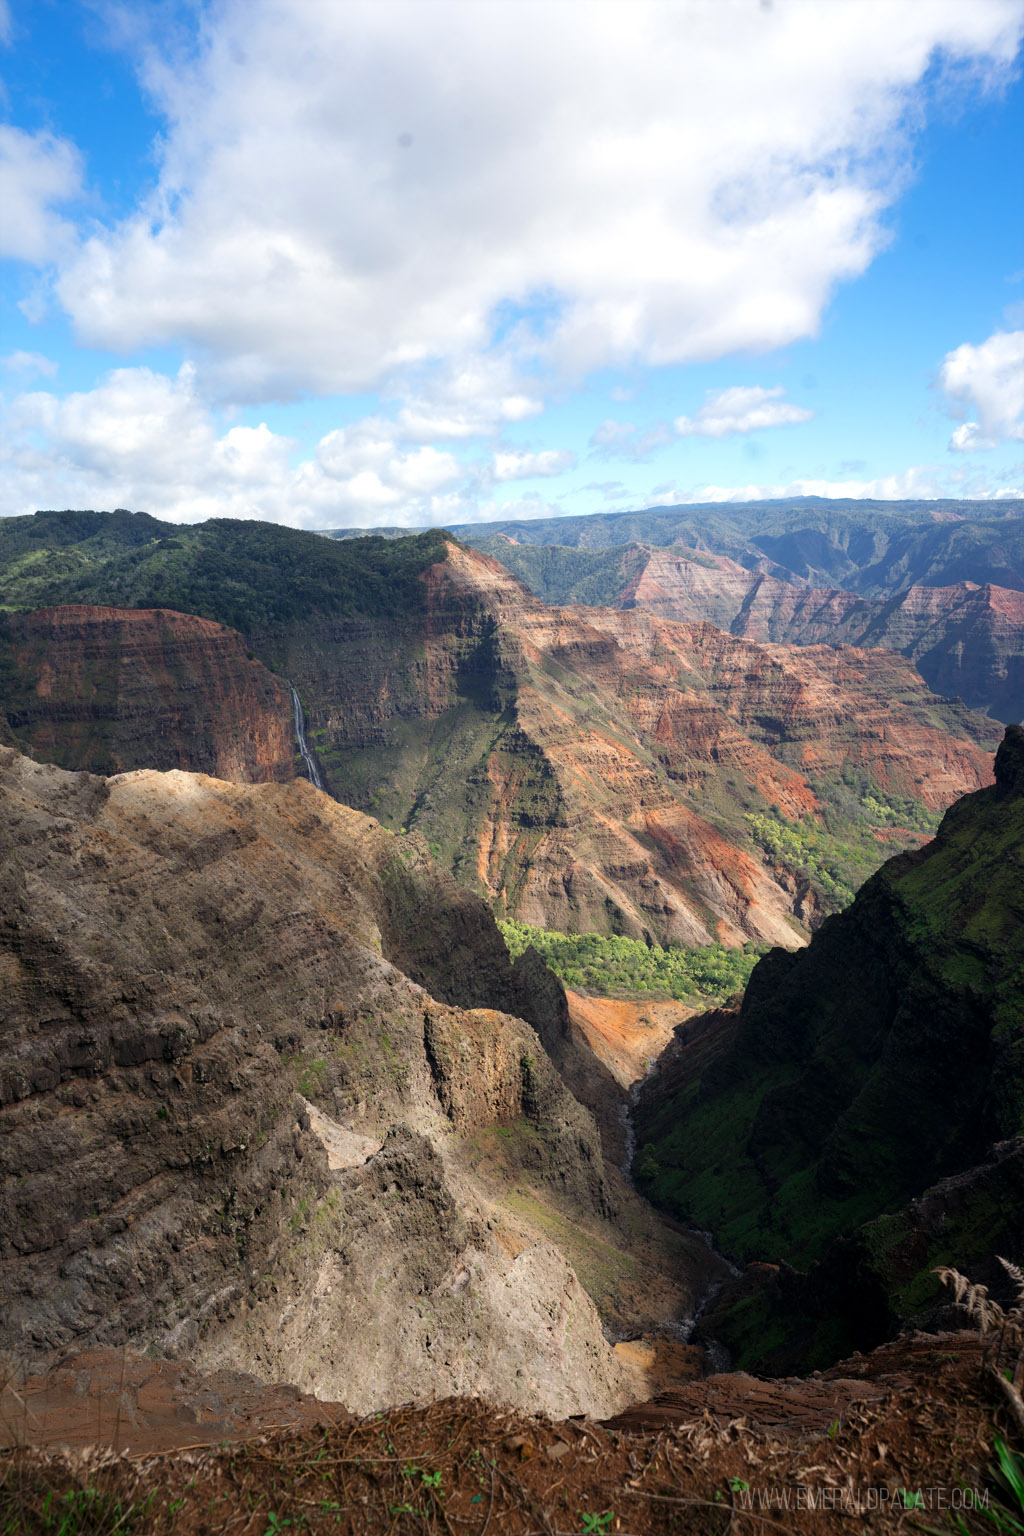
column 625, row 1035
column 901, row 1440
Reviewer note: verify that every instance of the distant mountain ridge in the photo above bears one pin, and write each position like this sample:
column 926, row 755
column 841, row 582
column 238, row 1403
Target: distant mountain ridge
column 870, row 547
column 961, row 621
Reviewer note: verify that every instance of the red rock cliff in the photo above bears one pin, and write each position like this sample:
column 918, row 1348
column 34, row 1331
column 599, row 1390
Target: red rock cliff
column 110, row 689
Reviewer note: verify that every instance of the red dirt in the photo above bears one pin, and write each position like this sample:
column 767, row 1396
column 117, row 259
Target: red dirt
column 625, row 1036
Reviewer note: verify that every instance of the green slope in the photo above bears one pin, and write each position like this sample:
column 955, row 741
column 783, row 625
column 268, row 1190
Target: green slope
column 887, row 1055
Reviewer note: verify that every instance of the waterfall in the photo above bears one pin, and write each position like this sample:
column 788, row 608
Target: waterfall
column 312, row 771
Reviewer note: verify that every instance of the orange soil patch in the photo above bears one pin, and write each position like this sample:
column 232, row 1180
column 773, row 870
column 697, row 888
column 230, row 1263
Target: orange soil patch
column 625, row 1036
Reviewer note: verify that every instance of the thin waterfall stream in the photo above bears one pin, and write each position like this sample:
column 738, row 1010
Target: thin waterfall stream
column 312, row 771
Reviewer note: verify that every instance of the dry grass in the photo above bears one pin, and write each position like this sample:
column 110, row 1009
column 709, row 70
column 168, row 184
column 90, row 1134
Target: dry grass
column 1003, row 1330
column 461, row 1468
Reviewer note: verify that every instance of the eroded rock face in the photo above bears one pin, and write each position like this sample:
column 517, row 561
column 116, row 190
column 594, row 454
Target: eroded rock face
column 234, row 1129
column 110, row 689
column 589, row 769
column 964, row 639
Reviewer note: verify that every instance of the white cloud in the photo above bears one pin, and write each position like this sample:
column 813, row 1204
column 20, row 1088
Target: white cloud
column 625, row 440
column 921, row 482
column 37, row 171
column 741, row 409
column 989, row 380
column 348, row 191
column 466, row 398
column 523, row 466
column 143, row 440
column 24, row 364
column 612, row 434
column 364, row 463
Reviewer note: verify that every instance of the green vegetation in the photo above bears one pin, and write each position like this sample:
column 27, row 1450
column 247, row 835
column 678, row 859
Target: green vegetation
column 804, row 848
column 559, row 575
column 86, row 1512
column 612, row 965
column 836, row 858
column 885, row 1057
column 249, row 575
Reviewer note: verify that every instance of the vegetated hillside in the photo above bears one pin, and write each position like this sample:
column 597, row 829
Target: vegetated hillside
column 107, row 689
column 872, row 547
column 584, row 769
column 967, row 641
column 245, row 574
column 886, row 1057
column 266, row 1084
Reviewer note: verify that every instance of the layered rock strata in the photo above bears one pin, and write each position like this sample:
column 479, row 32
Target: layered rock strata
column 235, row 1130
column 966, row 640
column 589, row 769
column 110, row 689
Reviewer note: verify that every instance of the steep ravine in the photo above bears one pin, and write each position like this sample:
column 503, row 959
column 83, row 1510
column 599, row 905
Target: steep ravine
column 720, row 1270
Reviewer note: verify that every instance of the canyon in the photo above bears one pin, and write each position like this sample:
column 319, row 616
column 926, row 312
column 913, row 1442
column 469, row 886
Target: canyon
column 584, row 769
column 965, row 639
column 279, row 1107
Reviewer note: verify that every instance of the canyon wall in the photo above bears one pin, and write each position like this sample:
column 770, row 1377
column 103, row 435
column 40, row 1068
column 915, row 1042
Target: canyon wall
column 965, row 640
column 108, row 689
column 861, row 1118
column 235, row 1129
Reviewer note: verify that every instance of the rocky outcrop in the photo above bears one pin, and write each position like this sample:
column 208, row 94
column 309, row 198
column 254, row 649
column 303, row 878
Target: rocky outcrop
column 235, row 1130
column 879, row 1071
column 109, row 689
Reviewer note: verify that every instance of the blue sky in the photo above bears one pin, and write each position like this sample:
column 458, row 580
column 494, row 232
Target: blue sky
column 429, row 261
